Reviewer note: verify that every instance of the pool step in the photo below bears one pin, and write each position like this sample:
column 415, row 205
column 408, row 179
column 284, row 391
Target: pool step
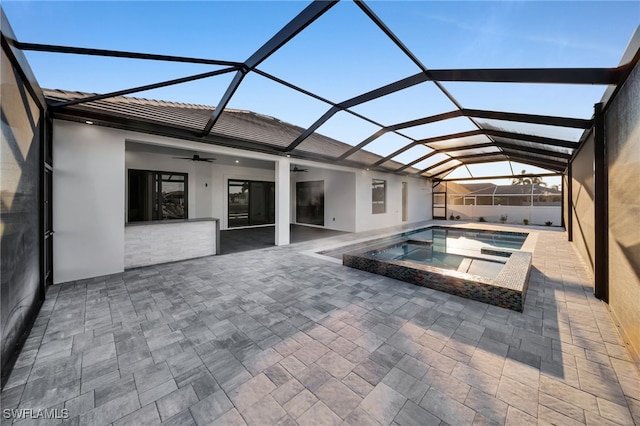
column 465, row 265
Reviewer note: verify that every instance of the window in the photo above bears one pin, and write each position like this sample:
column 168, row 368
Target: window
column 251, row 203
column 547, row 200
column 512, row 200
column 378, row 196
column 484, row 200
column 456, row 200
column 155, row 195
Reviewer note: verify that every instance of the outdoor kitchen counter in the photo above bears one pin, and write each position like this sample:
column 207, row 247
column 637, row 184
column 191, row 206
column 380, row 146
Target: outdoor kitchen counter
column 161, row 241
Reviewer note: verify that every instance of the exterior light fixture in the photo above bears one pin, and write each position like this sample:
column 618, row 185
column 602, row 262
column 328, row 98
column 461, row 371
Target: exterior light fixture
column 89, row 122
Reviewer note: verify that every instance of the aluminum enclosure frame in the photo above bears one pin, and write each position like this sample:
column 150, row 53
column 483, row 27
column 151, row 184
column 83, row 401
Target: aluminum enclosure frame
column 542, row 155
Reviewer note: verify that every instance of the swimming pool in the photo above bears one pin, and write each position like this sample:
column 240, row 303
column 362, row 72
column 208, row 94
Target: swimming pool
column 451, row 240
column 478, row 264
column 427, row 253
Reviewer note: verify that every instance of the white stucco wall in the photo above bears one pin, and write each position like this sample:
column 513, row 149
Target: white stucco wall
column 89, row 193
column 88, row 201
column 419, row 200
column 89, row 198
column 283, row 202
column 348, row 198
column 339, row 197
column 203, row 193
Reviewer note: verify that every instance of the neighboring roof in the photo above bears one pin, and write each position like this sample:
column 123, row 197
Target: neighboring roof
column 491, row 189
column 256, row 129
column 466, row 188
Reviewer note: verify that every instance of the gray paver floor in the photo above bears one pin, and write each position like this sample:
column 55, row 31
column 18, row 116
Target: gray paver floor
column 278, row 337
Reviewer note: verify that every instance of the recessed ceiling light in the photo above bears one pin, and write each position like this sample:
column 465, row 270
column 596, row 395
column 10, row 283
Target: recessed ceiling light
column 237, row 161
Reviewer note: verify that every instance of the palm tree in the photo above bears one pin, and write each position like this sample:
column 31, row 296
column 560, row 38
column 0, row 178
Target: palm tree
column 523, row 180
column 537, row 180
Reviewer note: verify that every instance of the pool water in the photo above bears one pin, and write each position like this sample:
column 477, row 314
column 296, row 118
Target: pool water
column 428, row 254
column 465, row 242
column 471, row 239
column 486, row 266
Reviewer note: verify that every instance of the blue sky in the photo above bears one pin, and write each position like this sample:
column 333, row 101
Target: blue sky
column 339, row 56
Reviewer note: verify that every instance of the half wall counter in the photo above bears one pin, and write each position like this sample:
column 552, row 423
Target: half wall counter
column 162, row 241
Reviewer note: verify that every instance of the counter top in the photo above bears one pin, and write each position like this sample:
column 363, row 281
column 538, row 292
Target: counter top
column 171, row 221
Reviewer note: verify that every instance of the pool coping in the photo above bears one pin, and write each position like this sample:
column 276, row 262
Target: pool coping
column 529, row 244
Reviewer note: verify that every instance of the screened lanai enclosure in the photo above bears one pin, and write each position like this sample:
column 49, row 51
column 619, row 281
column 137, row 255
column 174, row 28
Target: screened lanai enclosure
column 443, row 139
column 487, row 202
column 438, row 111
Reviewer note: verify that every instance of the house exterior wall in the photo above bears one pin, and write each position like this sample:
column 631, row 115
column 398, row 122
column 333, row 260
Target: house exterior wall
column 582, row 203
column 90, row 193
column 622, row 138
column 203, row 194
column 282, row 202
column 420, row 199
column 88, row 201
column 339, row 197
column 419, row 207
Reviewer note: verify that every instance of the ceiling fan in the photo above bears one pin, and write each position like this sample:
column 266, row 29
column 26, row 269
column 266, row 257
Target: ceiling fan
column 196, row 157
column 297, row 170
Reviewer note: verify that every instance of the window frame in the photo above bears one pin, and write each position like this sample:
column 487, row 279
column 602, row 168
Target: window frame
column 249, row 182
column 157, row 175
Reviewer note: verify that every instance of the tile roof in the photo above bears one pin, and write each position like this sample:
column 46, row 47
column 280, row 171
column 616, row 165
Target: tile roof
column 235, row 124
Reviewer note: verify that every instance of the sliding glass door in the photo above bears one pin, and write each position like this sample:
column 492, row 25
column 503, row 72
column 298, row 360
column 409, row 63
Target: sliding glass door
column 251, row 203
column 310, row 202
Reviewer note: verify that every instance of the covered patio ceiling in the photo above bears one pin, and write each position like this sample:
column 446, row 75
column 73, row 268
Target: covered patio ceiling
column 444, row 137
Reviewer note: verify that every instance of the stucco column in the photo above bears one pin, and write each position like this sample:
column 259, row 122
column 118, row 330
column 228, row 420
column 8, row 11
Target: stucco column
column 283, row 197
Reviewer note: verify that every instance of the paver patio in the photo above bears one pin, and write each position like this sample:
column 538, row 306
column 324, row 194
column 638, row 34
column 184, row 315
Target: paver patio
column 275, row 336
